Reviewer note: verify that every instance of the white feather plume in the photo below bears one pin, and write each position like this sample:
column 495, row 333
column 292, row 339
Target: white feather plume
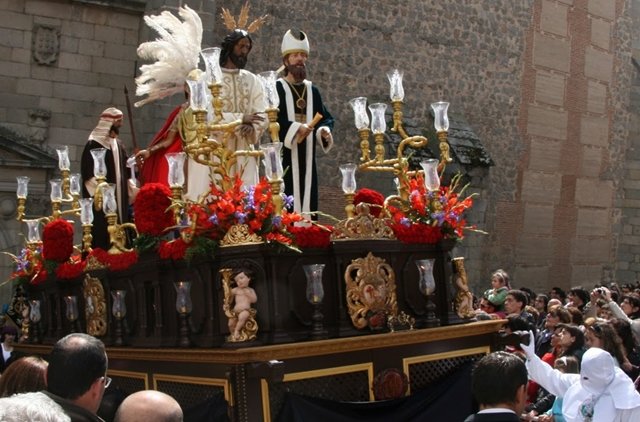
column 176, row 52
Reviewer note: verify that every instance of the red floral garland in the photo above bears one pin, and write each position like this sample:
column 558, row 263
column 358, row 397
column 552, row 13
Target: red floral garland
column 57, row 240
column 175, row 249
column 115, row 262
column 314, row 236
column 70, row 270
column 150, row 209
column 417, row 233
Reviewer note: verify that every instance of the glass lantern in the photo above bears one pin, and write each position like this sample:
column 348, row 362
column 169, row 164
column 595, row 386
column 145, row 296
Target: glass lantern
column 426, row 283
column 34, row 311
column 74, row 183
column 183, row 297
column 198, row 95
column 119, row 306
column 33, row 230
column 56, row 190
column 72, row 308
column 315, row 291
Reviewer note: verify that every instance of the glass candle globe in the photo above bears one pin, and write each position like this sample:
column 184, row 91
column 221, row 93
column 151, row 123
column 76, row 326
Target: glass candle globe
column 118, row 306
column 176, row 168
column 272, row 161
column 198, row 95
column 86, row 210
column 63, row 158
column 348, row 177
column 440, row 119
column 34, row 311
column 33, row 230
column 72, row 307
column 211, row 58
column 23, row 187
column 109, row 204
column 99, row 166
column 74, row 183
column 396, row 91
column 56, row 189
column 378, row 123
column 431, row 178
column 359, row 105
column 268, row 80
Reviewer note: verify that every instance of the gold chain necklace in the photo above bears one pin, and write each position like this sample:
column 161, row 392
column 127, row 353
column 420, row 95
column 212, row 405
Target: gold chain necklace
column 301, row 103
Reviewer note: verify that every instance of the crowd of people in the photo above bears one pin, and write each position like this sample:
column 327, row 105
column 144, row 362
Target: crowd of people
column 70, row 386
column 582, row 352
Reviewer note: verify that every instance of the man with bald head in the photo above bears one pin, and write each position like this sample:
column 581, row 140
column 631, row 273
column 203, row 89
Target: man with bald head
column 149, row 405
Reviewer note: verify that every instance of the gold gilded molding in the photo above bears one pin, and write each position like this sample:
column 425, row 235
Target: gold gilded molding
column 239, row 234
column 96, row 308
column 264, row 395
column 406, row 362
column 130, row 374
column 370, row 289
column 294, row 350
column 216, row 382
column 363, row 226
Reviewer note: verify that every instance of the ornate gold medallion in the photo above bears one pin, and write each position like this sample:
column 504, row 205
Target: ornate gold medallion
column 301, row 103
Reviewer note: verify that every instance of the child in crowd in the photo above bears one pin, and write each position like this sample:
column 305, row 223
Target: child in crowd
column 499, row 288
column 566, row 365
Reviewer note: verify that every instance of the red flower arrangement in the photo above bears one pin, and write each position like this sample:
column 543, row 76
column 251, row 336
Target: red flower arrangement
column 70, row 270
column 57, row 240
column 252, row 206
column 150, row 208
column 29, row 266
column 370, row 196
column 429, row 217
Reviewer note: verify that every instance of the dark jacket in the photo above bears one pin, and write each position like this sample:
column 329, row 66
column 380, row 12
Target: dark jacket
column 493, row 417
column 75, row 412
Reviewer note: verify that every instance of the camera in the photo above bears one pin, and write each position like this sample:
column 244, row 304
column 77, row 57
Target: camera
column 515, row 338
column 599, row 290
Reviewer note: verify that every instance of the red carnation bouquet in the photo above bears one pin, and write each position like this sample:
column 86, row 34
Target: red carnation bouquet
column 428, row 217
column 151, row 209
column 57, row 240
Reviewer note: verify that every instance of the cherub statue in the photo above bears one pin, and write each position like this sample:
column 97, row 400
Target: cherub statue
column 237, row 304
column 464, row 298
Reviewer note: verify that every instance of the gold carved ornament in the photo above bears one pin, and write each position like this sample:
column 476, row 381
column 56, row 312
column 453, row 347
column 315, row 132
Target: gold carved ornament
column 96, row 306
column 363, row 226
column 239, row 234
column 464, row 298
column 250, row 330
column 370, row 289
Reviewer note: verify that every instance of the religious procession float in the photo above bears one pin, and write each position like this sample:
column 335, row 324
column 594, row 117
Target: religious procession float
column 242, row 308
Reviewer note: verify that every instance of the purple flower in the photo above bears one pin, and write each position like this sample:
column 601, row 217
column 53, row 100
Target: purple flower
column 249, row 199
column 277, row 221
column 438, row 216
column 405, row 222
column 241, row 216
column 288, row 201
column 214, row 219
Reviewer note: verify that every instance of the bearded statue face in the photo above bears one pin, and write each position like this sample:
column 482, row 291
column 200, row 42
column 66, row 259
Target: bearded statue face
column 295, row 63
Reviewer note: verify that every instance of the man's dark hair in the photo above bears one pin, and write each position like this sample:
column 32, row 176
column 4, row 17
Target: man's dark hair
column 497, row 377
column 558, row 291
column 581, row 293
column 519, row 296
column 229, row 41
column 75, row 362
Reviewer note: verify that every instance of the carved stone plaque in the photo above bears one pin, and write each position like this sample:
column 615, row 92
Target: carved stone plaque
column 46, row 44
